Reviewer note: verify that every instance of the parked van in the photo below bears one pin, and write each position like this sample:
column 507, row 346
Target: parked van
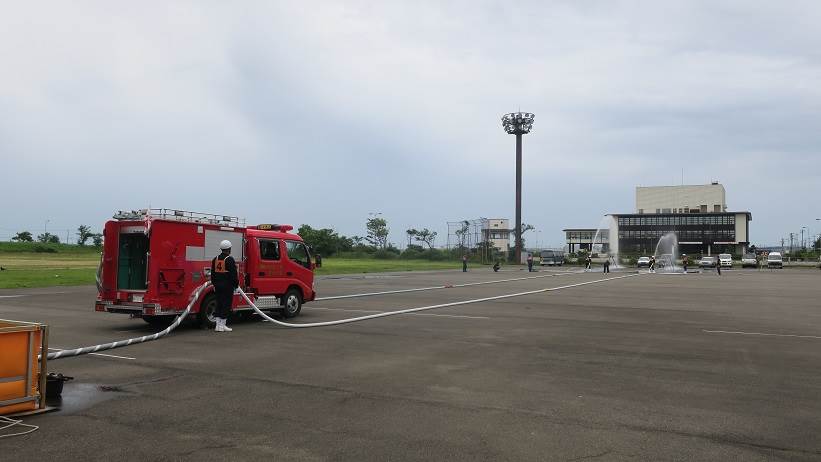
column 552, row 258
column 774, row 260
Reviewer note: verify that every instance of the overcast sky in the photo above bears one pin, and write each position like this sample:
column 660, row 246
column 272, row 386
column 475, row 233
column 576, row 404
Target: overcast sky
column 320, row 113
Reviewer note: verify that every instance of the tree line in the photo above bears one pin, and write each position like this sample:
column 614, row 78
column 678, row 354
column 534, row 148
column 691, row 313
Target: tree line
column 84, row 234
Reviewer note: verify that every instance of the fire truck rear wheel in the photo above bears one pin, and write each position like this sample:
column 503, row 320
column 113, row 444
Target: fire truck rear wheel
column 205, row 316
column 291, row 303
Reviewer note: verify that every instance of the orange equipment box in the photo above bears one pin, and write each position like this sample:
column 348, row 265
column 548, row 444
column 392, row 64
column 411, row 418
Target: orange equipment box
column 23, row 351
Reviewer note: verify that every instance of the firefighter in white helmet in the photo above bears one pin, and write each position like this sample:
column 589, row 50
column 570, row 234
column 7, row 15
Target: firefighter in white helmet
column 225, row 280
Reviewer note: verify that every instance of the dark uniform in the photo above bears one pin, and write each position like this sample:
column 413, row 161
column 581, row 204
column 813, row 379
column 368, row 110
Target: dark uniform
column 225, row 280
column 530, row 263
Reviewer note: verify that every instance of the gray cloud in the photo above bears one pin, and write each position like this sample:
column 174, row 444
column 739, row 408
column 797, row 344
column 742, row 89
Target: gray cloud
column 283, row 112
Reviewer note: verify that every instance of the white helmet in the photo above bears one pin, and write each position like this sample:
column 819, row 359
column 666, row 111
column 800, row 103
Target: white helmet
column 225, row 245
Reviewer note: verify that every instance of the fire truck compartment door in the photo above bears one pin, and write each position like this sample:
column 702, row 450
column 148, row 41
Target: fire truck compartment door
column 132, row 259
column 267, row 268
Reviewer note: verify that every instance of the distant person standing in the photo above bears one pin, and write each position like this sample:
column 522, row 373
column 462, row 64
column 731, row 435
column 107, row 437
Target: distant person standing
column 588, row 263
column 685, row 261
column 606, row 266
column 464, row 263
column 718, row 266
column 758, row 258
column 653, row 264
column 529, row 263
column 318, row 260
column 225, row 280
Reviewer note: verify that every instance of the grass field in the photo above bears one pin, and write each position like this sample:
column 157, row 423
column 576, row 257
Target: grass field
column 74, row 265
column 68, row 265
column 370, row 265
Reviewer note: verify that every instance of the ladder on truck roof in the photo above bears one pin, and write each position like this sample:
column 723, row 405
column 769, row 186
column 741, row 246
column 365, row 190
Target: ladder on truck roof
column 181, row 215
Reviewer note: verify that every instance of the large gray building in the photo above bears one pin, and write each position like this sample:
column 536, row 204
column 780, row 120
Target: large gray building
column 696, row 214
column 703, row 198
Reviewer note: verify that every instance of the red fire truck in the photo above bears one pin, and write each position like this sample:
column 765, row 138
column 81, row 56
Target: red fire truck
column 154, row 259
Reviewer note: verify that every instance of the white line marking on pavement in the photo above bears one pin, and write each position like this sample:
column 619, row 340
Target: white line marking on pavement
column 410, row 314
column 31, row 295
column 759, row 333
column 98, row 354
column 426, row 308
column 448, row 286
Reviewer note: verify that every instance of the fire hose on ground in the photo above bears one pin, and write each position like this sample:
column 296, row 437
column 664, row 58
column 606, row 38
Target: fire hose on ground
column 196, row 295
column 145, row 338
column 423, row 308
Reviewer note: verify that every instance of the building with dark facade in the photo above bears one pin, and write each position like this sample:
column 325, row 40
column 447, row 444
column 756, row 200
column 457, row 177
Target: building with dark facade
column 696, row 214
column 697, row 233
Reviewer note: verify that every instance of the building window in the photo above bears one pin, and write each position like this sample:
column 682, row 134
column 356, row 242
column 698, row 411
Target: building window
column 716, row 208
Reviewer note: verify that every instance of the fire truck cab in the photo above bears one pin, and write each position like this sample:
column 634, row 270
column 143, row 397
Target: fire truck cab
column 154, row 259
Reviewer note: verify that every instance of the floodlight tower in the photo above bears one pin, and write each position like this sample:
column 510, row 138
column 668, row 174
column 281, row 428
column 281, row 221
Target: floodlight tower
column 518, row 123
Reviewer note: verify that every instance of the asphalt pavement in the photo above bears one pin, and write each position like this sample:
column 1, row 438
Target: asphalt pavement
column 642, row 367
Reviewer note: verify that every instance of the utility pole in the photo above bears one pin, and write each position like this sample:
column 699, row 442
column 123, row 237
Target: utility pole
column 518, row 123
column 791, row 239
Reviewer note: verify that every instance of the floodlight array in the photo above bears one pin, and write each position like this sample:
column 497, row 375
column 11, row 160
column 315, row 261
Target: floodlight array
column 518, row 123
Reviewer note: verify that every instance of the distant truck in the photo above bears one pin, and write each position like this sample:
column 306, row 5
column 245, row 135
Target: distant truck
column 153, row 260
column 774, row 260
column 552, row 258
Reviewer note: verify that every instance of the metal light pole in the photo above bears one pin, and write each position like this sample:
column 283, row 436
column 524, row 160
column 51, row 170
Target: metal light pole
column 518, row 123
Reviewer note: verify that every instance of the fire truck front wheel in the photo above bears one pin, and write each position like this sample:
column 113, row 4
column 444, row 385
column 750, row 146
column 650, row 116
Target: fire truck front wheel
column 291, row 303
column 205, row 316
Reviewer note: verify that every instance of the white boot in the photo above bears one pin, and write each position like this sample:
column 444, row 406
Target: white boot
column 220, row 326
column 224, row 327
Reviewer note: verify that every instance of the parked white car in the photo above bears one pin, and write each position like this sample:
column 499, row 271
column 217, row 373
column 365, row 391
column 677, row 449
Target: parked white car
column 643, row 262
column 774, row 260
column 748, row 261
column 725, row 260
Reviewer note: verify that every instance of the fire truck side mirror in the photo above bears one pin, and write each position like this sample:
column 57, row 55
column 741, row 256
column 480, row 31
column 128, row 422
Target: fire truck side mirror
column 207, row 272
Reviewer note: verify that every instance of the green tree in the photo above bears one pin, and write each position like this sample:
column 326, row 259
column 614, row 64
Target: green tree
column 324, row 241
column 377, row 232
column 97, row 239
column 48, row 238
column 427, row 236
column 411, row 233
column 23, row 236
column 83, row 234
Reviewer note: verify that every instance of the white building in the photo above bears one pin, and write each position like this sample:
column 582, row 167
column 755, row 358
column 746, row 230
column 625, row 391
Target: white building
column 706, row 198
column 497, row 231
